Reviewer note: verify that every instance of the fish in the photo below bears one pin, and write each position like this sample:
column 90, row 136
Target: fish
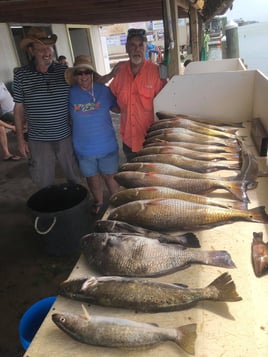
column 218, row 124
column 202, row 147
column 174, row 215
column 194, row 126
column 110, row 331
column 147, row 295
column 136, row 256
column 169, row 169
column 189, row 153
column 249, row 168
column 151, row 192
column 196, row 137
column 131, row 179
column 194, row 146
column 259, row 254
column 188, row 239
column 172, row 135
column 200, row 166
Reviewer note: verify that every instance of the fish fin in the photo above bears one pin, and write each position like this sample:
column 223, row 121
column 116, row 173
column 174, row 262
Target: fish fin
column 186, row 336
column 192, row 240
column 183, row 286
column 85, row 312
column 258, row 214
column 220, row 258
column 238, row 189
column 238, row 205
column 226, row 288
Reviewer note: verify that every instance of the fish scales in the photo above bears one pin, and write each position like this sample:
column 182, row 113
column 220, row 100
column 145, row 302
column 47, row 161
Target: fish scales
column 117, row 332
column 162, row 214
column 147, row 295
column 135, row 256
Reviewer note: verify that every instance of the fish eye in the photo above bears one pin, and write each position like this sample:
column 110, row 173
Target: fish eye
column 62, row 319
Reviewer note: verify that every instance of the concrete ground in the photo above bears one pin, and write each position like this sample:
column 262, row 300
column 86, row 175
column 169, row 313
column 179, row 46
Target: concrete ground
column 27, row 273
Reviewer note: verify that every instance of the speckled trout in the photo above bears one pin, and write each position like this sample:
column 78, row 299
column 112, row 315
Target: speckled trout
column 136, row 256
column 147, row 295
column 175, row 215
column 116, row 332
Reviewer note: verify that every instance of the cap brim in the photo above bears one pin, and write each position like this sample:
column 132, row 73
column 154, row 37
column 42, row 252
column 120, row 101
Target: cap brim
column 50, row 40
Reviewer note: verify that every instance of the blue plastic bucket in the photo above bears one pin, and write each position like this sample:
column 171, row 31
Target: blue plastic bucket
column 32, row 320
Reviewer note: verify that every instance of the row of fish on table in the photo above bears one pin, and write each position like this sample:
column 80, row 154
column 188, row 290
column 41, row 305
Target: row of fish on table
column 149, row 232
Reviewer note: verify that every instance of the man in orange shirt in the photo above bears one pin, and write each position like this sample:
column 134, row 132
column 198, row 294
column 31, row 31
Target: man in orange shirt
column 135, row 86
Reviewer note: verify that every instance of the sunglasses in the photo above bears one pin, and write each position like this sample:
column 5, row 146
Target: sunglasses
column 136, row 32
column 80, row 73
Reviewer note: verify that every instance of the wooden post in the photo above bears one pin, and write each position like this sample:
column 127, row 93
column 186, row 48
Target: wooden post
column 194, row 33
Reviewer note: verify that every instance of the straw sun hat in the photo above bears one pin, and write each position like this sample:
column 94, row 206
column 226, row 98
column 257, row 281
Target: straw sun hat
column 37, row 34
column 82, row 61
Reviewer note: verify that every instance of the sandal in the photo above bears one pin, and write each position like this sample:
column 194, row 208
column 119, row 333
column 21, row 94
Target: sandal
column 95, row 208
column 12, row 158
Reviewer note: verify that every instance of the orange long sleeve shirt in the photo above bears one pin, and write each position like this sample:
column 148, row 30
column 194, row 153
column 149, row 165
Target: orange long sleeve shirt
column 135, row 96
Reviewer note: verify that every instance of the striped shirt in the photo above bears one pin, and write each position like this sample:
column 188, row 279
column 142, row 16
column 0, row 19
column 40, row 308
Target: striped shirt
column 45, row 99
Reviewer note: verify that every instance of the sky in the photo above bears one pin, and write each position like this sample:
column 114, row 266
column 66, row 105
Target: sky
column 249, row 10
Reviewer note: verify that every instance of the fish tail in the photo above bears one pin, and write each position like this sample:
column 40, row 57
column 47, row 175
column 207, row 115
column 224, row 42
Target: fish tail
column 233, row 166
column 186, row 336
column 220, row 258
column 237, row 189
column 226, row 289
column 258, row 214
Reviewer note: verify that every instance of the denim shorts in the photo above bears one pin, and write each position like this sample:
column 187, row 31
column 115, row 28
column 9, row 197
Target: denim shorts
column 100, row 164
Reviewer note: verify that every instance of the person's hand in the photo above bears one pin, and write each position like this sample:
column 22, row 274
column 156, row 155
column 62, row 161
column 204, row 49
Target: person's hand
column 23, row 148
column 116, row 69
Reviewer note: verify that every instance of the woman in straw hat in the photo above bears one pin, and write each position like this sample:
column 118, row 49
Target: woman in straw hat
column 94, row 137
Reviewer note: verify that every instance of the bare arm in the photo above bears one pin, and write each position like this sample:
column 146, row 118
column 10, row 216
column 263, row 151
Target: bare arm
column 7, row 126
column 19, row 124
column 107, row 77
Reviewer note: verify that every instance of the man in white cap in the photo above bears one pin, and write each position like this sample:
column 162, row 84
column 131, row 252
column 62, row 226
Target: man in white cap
column 41, row 92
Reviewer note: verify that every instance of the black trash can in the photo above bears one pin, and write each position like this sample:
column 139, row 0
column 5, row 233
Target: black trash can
column 61, row 217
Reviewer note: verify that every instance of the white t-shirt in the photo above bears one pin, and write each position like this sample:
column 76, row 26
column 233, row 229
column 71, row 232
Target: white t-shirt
column 6, row 100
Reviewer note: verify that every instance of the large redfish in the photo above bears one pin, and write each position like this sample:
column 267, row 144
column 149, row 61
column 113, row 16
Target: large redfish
column 189, row 153
column 136, row 256
column 193, row 126
column 175, row 215
column 186, row 163
column 151, row 192
column 117, row 332
column 147, row 295
column 130, row 179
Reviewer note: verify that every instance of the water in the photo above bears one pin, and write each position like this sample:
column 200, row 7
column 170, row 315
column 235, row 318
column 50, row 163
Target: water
column 253, row 46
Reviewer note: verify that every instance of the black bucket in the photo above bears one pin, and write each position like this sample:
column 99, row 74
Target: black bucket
column 61, row 217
